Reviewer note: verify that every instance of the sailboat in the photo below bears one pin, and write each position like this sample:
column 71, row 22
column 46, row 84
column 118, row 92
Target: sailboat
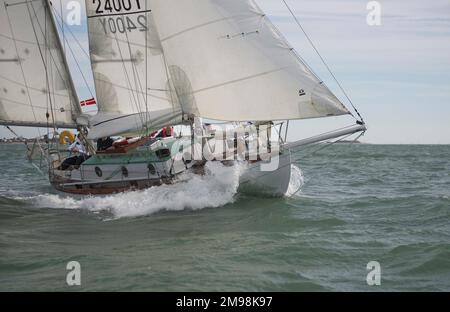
column 160, row 63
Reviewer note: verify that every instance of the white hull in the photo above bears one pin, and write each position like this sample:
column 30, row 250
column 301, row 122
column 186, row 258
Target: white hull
column 257, row 179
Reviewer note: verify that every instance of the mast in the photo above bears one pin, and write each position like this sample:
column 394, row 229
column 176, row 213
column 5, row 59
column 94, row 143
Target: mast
column 76, row 104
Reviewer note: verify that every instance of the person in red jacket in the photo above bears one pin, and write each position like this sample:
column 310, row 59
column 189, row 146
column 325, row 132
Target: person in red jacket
column 165, row 132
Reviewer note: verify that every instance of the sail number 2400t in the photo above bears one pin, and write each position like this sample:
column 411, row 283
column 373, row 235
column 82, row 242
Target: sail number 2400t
column 120, row 16
column 118, row 6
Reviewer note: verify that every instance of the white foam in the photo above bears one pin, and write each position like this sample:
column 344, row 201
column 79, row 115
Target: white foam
column 296, row 182
column 215, row 189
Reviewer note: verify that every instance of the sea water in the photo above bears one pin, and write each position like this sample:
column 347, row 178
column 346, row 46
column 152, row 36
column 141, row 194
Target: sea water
column 347, row 205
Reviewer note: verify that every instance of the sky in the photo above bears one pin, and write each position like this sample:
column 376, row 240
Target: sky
column 397, row 74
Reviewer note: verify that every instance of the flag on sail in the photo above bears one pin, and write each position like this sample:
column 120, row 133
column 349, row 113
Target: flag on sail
column 88, row 102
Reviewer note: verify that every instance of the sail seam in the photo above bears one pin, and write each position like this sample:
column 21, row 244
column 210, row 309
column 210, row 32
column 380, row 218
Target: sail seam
column 201, row 26
column 19, row 3
column 240, row 79
column 128, row 89
column 24, row 104
column 31, row 88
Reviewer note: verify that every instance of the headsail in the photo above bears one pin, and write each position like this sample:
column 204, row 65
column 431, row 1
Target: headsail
column 130, row 74
column 36, row 88
column 228, row 62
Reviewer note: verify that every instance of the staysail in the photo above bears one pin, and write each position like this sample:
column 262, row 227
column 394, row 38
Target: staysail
column 36, row 88
column 228, row 62
column 130, row 73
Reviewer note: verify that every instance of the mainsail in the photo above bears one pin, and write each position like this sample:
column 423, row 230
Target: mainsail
column 227, row 61
column 36, row 88
column 130, row 74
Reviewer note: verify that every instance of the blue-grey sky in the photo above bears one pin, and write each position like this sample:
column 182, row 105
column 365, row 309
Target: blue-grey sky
column 397, row 73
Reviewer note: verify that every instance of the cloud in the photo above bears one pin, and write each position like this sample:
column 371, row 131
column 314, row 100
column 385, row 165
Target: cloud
column 408, row 32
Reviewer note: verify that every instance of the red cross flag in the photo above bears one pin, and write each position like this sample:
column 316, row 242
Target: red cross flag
column 88, row 102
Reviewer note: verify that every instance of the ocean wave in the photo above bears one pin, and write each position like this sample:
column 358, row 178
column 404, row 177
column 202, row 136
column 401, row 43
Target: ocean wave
column 7, row 201
column 216, row 188
column 424, row 259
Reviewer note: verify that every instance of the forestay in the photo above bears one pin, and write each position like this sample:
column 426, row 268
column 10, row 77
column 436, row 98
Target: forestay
column 35, row 84
column 228, row 62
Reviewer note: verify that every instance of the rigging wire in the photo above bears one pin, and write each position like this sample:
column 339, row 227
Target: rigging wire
column 63, row 32
column 137, row 80
column 38, row 45
column 146, row 67
column 45, row 61
column 131, row 92
column 322, row 59
column 321, row 147
column 61, row 20
column 287, row 130
column 49, row 73
column 12, row 131
column 46, row 58
column 352, row 143
column 50, row 54
column 60, row 24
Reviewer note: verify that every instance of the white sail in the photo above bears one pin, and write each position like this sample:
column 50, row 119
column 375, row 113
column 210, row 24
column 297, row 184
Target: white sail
column 228, row 62
column 130, row 74
column 34, row 76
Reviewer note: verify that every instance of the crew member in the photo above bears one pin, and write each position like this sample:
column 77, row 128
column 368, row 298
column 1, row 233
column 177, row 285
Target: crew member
column 104, row 143
column 80, row 154
column 165, row 132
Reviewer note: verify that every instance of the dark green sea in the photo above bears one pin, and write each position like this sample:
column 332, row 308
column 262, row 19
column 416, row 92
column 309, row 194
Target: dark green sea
column 357, row 204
